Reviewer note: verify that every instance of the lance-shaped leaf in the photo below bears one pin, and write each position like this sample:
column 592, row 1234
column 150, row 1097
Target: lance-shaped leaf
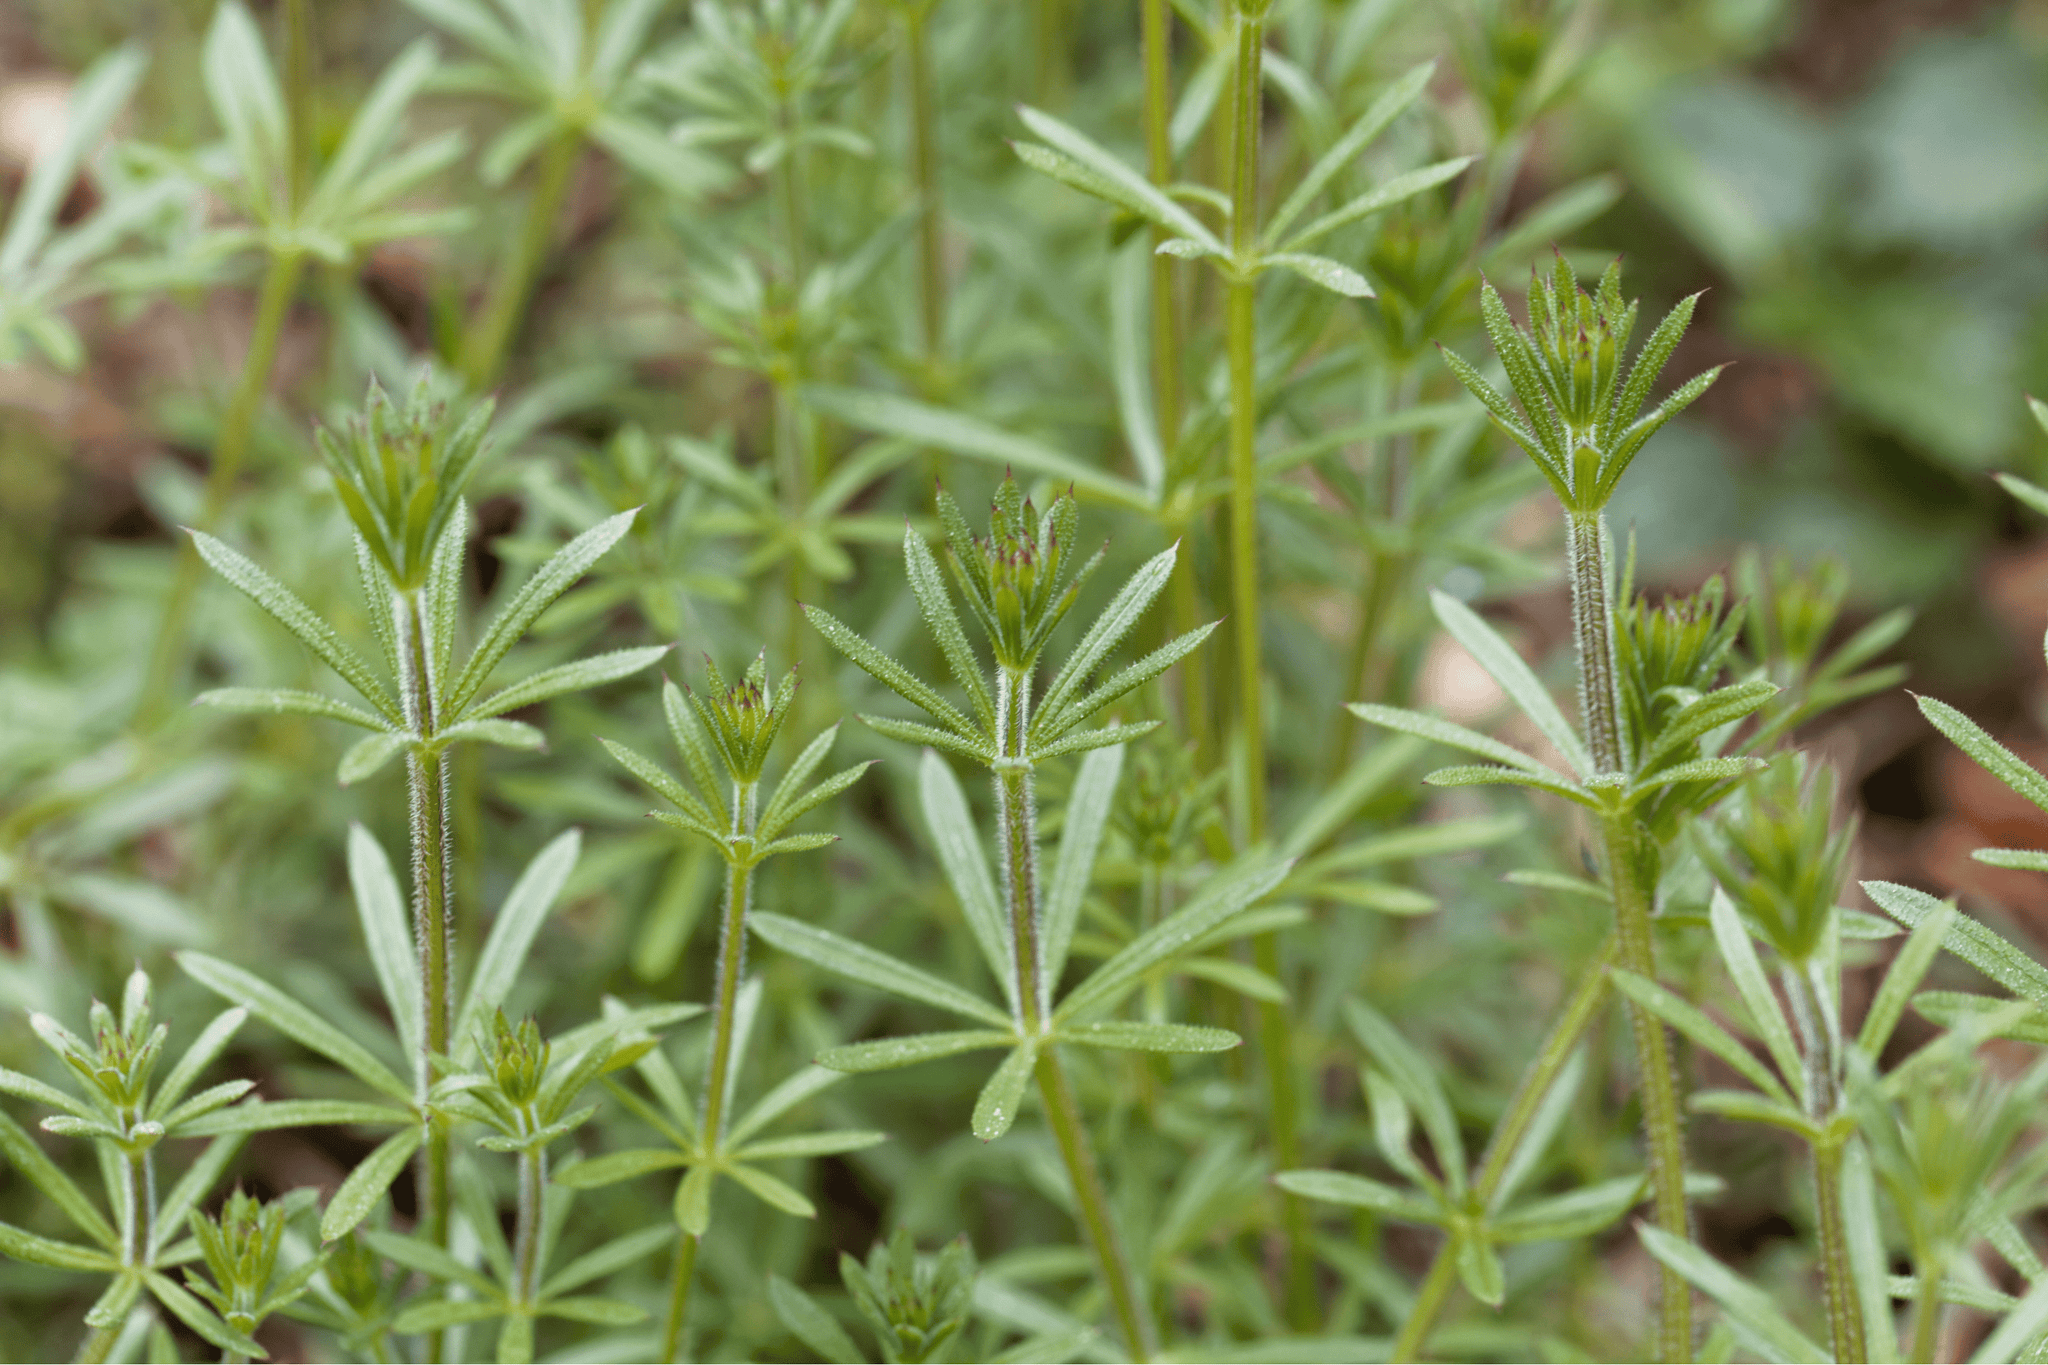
column 550, row 581
column 1967, row 939
column 292, row 1019
column 609, row 1259
column 1357, row 1191
column 886, row 1054
column 995, row 1109
column 283, row 701
column 1738, row 954
column 1226, row 894
column 957, row 841
column 36, row 1167
column 811, row 1324
column 1572, row 1215
column 1417, row 1082
column 1075, row 159
column 1087, row 816
column 295, row 616
column 858, row 962
column 1901, row 979
column 1136, row 1036
column 366, row 1184
column 771, row 1191
column 890, row 674
column 380, row 908
column 575, row 676
column 1747, row 1309
column 613, row 1167
column 1401, row 187
column 1322, row 272
column 519, row 921
column 1695, row 1025
column 1108, row 630
column 1506, row 667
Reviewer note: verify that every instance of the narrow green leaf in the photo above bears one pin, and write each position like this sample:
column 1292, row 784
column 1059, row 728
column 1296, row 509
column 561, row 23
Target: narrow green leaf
column 1108, row 630
column 432, row 1261
column 550, row 581
column 1225, row 894
column 36, row 1167
column 598, row 1312
column 1479, row 1268
column 1085, row 164
column 613, row 1167
column 609, row 1259
column 1417, row 1081
column 1392, row 102
column 519, row 920
column 1748, row 1309
column 292, row 1019
column 1901, row 979
column 771, row 1191
column 258, row 1116
column 380, row 909
column 811, row 1144
column 1404, row 186
column 194, row 1314
column 2019, row 1330
column 910, row 732
column 198, row 1182
column 366, row 756
column 1738, row 954
column 1457, row 736
column 786, row 1096
column 97, row 99
column 1357, row 1191
column 1087, row 817
column 886, row 1054
column 241, row 85
column 1868, row 1263
column 298, row 618
column 367, row 1182
column 435, row 1315
column 957, row 841
column 1515, row 677
column 1572, row 1215
column 995, row 1109
column 578, row 676
column 693, row 1200
column 929, row 587
column 889, row 673
column 861, row 963
column 280, row 701
column 1967, row 939
column 811, row 1324
column 1704, row 1032
column 23, row 1245
column 1322, row 272
column 1144, row 1037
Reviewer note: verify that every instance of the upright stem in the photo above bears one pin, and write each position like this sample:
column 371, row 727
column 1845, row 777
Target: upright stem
column 490, row 336
column 732, row 955
column 1158, row 37
column 1017, row 836
column 1927, row 1312
column 1275, row 1038
column 678, row 1297
column 924, row 159
column 230, row 446
column 427, row 779
column 533, row 1182
column 1184, row 601
column 1140, row 1338
column 1578, row 1014
column 1845, row 1313
column 141, row 1227
column 1631, row 866
column 1593, row 631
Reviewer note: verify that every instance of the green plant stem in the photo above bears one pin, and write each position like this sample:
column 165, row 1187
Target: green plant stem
column 1927, row 1312
column 1166, row 362
column 678, row 1297
column 427, row 782
column 732, row 953
column 1017, row 838
column 1578, row 1014
column 1275, row 1037
column 1631, row 861
column 1184, row 601
column 1386, row 573
column 1140, row 1338
column 99, row 1344
column 490, row 336
column 924, row 161
column 1632, row 878
column 140, row 1171
column 1845, row 1314
column 1593, row 633
column 230, row 447
column 533, row 1183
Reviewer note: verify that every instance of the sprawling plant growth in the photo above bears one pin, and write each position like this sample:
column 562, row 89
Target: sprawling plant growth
column 1156, row 995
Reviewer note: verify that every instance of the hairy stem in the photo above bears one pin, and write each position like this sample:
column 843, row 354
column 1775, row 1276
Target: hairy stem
column 732, row 957
column 678, row 1297
column 1017, row 837
column 1593, row 632
column 427, row 781
column 1158, row 37
column 533, row 1183
column 1140, row 1337
column 924, row 161
column 1845, row 1313
column 140, row 1226
column 490, row 336
column 1927, row 1311
column 230, row 448
column 1578, row 1014
column 1631, row 866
